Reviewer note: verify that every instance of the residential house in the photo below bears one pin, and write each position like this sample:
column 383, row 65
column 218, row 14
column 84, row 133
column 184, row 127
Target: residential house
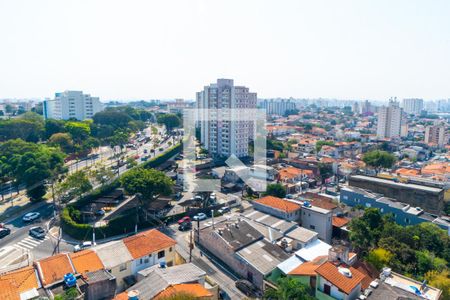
column 52, row 269
column 150, row 248
column 20, row 284
column 278, row 207
column 86, row 261
column 317, row 219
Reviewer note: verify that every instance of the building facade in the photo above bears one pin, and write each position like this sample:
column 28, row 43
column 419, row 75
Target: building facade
column 436, row 134
column 72, row 105
column 389, row 120
column 217, row 103
column 412, row 106
column 277, row 106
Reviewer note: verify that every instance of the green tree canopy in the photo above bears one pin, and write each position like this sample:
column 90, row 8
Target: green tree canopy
column 288, row 288
column 276, row 189
column 78, row 130
column 77, row 182
column 169, row 120
column 62, row 140
column 148, row 182
column 379, row 159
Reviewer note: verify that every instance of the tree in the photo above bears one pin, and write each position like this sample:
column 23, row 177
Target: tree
column 112, row 117
column 147, row 182
column 169, row 120
column 25, row 129
column 379, row 159
column 53, row 126
column 440, row 280
column 78, row 130
column 36, row 193
column 288, row 288
column 379, row 257
column 77, row 182
column 276, row 189
column 102, row 175
column 319, row 144
column 62, row 140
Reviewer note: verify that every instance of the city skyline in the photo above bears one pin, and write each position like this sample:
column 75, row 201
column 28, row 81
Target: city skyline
column 345, row 50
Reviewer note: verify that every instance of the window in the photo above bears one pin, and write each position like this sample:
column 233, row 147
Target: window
column 170, row 249
column 123, row 267
column 326, row 289
column 140, row 261
column 312, row 227
column 161, row 254
column 146, row 261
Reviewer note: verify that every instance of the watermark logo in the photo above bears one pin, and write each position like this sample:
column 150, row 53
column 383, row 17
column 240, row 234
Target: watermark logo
column 227, row 133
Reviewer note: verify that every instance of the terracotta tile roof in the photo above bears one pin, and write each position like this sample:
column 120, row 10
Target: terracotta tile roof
column 194, row 289
column 340, row 221
column 16, row 282
column 292, row 172
column 278, row 203
column 53, row 268
column 147, row 242
column 407, row 172
column 369, row 271
column 121, row 296
column 86, row 261
column 330, row 272
column 319, row 201
column 309, row 268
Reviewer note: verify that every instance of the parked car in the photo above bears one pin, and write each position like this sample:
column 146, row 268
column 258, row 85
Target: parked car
column 4, row 232
column 223, row 295
column 145, row 151
column 37, row 232
column 82, row 246
column 200, row 216
column 31, row 216
column 184, row 219
column 100, row 212
column 247, row 288
column 224, row 209
column 185, row 226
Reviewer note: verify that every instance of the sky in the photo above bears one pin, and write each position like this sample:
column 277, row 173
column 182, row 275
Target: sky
column 165, row 49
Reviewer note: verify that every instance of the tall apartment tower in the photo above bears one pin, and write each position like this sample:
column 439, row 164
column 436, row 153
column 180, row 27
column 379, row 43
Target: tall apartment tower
column 412, row 106
column 436, row 134
column 220, row 135
column 389, row 120
column 277, row 106
column 72, row 105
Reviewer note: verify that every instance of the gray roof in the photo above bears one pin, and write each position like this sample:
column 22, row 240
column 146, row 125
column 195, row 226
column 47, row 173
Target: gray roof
column 177, row 274
column 268, row 220
column 263, row 256
column 113, row 254
column 302, row 234
column 96, row 276
column 158, row 279
column 397, row 184
column 238, row 234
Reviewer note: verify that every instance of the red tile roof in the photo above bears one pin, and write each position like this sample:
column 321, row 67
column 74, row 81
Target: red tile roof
column 53, row 268
column 340, row 221
column 193, row 289
column 278, row 203
column 309, row 268
column 16, row 282
column 86, row 261
column 147, row 242
column 331, row 273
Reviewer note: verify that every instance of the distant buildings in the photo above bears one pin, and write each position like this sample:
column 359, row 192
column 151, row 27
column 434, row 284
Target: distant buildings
column 436, row 134
column 72, row 105
column 220, row 135
column 412, row 106
column 277, row 106
column 389, row 120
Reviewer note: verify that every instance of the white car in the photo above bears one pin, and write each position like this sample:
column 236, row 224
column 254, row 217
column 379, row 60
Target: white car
column 199, row 217
column 31, row 216
column 82, row 246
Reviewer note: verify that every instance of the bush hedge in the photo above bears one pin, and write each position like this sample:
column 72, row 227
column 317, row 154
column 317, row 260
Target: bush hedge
column 158, row 160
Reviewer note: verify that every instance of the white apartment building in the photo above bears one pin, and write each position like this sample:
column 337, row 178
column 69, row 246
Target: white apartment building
column 412, row 106
column 389, row 120
column 436, row 134
column 277, row 106
column 219, row 134
column 72, row 105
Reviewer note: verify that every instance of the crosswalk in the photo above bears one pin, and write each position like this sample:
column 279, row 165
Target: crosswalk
column 29, row 243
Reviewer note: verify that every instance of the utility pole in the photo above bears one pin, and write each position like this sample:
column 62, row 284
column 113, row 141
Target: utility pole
column 191, row 246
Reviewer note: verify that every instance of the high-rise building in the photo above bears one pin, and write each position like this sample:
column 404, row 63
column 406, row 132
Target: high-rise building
column 72, row 105
column 221, row 135
column 277, row 106
column 412, row 106
column 366, row 108
column 389, row 120
column 436, row 134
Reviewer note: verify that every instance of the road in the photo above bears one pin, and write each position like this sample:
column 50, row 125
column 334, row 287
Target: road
column 19, row 244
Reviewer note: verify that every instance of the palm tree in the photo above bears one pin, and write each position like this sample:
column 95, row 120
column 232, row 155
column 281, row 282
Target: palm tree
column 288, row 288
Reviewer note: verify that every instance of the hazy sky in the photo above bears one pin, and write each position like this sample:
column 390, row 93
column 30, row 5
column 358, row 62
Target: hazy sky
column 171, row 49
